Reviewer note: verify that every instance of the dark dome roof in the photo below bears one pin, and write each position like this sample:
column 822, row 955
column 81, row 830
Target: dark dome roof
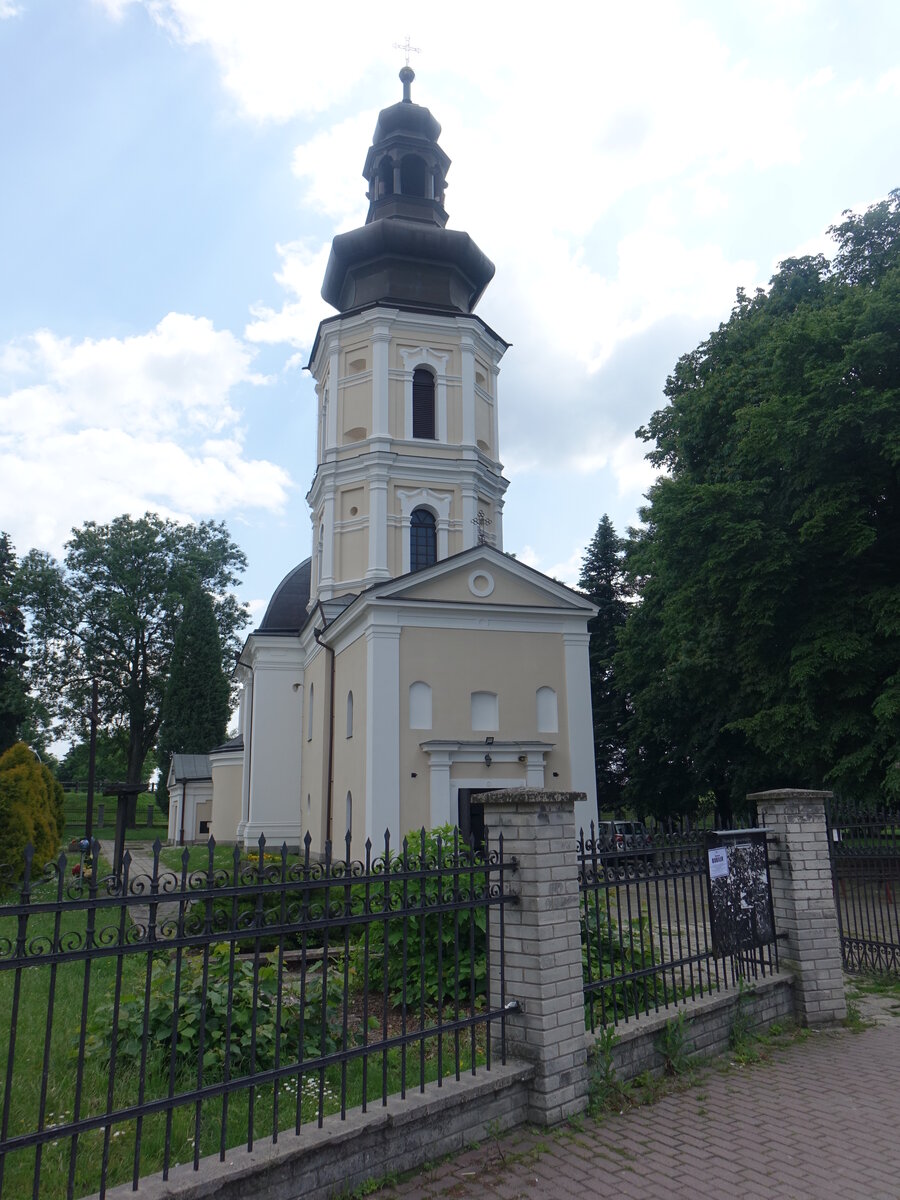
column 287, row 608
column 405, row 117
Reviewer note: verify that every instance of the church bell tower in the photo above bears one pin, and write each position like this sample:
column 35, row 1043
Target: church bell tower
column 408, row 468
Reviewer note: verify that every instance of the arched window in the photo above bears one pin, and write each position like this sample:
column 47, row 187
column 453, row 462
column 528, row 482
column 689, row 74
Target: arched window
column 547, row 711
column 349, row 714
column 412, row 175
column 423, row 403
column 309, row 713
column 485, row 711
column 385, row 178
column 422, row 539
column 419, row 705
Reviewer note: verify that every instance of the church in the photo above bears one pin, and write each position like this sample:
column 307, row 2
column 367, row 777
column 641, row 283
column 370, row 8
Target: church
column 409, row 663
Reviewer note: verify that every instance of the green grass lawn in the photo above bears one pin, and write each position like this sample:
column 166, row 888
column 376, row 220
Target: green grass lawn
column 76, row 817
column 49, row 1014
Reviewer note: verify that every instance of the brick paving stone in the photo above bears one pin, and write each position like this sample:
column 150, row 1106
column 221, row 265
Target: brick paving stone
column 817, row 1120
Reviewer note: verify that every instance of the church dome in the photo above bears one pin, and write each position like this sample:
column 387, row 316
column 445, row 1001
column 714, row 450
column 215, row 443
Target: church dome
column 287, row 610
column 403, row 254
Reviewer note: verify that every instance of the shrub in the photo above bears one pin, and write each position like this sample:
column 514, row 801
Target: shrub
column 450, row 947
column 190, row 1008
column 31, row 810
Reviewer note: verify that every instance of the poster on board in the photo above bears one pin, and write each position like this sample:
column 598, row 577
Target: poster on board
column 740, row 897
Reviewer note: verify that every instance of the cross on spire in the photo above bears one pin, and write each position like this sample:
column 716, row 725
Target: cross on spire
column 481, row 522
column 407, row 47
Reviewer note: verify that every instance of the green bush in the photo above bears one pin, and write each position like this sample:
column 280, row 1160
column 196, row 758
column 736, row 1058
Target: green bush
column 605, row 955
column 430, row 937
column 31, row 810
column 190, row 1009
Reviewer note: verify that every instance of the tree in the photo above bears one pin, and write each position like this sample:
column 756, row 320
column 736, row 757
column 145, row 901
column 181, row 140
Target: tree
column 111, row 762
column 112, row 610
column 196, row 704
column 31, row 810
column 13, row 689
column 603, row 578
column 766, row 647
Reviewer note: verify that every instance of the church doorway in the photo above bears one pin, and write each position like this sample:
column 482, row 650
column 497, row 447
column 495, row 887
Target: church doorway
column 471, row 815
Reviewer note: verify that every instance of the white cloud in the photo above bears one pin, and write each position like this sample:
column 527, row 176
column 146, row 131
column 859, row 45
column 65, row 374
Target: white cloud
column 8, row 8
column 94, row 428
column 569, row 569
column 295, row 323
column 889, row 82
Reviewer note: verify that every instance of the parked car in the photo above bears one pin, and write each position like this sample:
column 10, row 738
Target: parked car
column 625, row 836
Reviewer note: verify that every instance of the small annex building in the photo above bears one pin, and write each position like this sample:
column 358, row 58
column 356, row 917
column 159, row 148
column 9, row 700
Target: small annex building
column 190, row 785
column 409, row 662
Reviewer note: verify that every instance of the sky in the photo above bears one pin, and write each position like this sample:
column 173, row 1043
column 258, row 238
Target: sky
column 172, row 173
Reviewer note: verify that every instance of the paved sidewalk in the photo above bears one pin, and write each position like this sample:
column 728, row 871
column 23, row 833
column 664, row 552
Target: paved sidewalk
column 819, row 1120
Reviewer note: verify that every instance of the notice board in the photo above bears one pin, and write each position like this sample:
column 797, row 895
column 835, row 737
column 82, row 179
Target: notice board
column 740, row 894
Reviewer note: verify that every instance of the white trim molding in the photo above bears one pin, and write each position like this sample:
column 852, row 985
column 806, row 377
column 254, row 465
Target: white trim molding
column 439, row 503
column 442, row 754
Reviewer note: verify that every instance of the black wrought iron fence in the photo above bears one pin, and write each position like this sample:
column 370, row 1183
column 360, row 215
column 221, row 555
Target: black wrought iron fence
column 864, row 843
column 164, row 1016
column 647, row 939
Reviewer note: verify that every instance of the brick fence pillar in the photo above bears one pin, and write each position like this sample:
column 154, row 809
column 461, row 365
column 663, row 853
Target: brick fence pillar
column 804, row 900
column 542, row 957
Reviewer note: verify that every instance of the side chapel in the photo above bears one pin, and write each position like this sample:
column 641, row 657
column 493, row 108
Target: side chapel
column 410, row 662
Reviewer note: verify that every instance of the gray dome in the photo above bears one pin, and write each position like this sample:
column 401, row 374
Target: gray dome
column 287, row 608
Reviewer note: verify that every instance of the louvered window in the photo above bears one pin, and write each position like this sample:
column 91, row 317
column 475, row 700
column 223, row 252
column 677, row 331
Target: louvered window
column 423, row 403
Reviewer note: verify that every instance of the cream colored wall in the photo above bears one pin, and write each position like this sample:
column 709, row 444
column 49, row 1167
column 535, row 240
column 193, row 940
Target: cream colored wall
column 352, row 546
column 226, row 809
column 354, row 497
column 484, row 433
column 508, row 589
column 203, row 813
column 357, row 357
column 312, row 752
column 355, row 414
column 456, row 663
column 350, row 753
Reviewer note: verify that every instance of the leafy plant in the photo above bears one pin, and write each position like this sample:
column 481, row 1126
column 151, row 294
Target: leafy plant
column 609, row 954
column 674, row 1046
column 237, row 1009
column 436, row 955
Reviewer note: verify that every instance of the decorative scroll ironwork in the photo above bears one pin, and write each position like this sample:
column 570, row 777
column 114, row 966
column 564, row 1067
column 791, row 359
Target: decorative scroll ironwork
column 186, row 1011
column 645, row 922
column 864, row 844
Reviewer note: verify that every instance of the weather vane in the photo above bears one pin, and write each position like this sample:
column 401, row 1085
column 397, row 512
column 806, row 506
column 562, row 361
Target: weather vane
column 482, row 522
column 407, row 47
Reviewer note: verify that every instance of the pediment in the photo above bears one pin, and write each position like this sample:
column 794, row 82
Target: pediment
column 486, row 576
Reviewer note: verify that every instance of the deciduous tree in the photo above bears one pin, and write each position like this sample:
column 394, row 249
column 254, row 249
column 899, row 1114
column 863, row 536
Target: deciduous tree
column 766, row 648
column 13, row 688
column 112, row 611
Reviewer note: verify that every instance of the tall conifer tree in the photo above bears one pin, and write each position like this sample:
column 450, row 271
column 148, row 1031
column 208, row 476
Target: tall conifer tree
column 196, row 703
column 603, row 578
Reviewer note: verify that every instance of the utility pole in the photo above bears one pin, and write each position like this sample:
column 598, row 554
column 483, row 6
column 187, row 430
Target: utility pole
column 94, row 716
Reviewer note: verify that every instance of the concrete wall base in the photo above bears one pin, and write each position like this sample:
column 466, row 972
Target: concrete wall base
column 318, row 1163
column 709, row 1021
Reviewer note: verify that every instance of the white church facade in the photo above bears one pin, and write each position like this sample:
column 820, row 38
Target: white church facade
column 409, row 663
